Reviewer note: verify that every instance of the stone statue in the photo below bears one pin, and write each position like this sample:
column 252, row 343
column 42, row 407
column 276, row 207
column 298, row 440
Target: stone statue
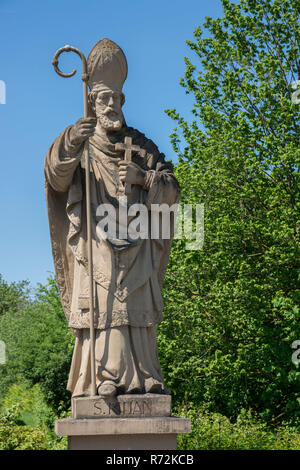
column 128, row 273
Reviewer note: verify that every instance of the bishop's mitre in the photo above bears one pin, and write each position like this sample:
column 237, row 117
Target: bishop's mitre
column 106, row 66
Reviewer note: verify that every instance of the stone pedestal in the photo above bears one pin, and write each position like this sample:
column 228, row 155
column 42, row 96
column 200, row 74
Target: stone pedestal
column 126, row 422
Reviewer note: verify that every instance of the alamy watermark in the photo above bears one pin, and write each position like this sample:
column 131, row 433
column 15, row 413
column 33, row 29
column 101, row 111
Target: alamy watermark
column 159, row 221
column 2, row 352
column 2, row 92
column 296, row 354
column 296, row 95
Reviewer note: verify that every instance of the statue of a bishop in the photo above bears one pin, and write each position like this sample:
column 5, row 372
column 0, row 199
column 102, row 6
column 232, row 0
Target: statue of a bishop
column 128, row 271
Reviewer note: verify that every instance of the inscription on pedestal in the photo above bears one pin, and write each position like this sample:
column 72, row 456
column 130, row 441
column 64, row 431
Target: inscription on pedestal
column 123, row 406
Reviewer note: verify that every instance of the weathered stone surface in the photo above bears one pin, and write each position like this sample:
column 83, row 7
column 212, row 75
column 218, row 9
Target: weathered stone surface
column 121, row 426
column 122, row 406
column 124, row 442
column 128, row 264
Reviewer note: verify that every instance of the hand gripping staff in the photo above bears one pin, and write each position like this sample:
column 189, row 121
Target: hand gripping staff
column 84, row 78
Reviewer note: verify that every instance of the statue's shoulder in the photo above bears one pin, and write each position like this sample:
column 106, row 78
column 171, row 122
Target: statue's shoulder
column 138, row 138
column 154, row 158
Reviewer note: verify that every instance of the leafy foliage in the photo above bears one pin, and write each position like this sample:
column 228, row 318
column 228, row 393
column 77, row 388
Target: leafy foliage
column 29, row 404
column 13, row 296
column 39, row 346
column 213, row 431
column 232, row 310
column 14, row 435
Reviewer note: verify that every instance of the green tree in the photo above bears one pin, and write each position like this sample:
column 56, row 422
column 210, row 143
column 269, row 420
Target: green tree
column 39, row 346
column 13, row 296
column 232, row 309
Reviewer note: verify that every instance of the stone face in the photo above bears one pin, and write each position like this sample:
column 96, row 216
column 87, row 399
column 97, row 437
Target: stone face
column 122, row 406
column 121, row 426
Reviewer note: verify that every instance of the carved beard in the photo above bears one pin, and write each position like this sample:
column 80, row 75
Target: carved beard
column 110, row 121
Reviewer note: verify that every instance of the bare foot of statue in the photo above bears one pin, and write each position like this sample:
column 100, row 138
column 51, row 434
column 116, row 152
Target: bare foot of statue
column 107, row 390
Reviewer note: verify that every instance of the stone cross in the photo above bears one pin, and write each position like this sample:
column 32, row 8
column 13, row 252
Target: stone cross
column 128, row 149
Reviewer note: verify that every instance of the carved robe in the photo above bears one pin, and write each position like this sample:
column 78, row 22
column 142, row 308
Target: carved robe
column 128, row 275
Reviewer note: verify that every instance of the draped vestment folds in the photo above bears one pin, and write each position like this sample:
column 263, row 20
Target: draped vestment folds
column 128, row 275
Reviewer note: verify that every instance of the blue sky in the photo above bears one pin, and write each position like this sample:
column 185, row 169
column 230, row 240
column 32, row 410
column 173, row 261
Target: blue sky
column 40, row 104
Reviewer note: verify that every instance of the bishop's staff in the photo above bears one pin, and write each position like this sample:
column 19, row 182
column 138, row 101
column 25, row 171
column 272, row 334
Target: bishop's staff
column 84, row 78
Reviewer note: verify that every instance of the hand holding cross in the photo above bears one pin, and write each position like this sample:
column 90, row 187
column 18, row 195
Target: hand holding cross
column 128, row 148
